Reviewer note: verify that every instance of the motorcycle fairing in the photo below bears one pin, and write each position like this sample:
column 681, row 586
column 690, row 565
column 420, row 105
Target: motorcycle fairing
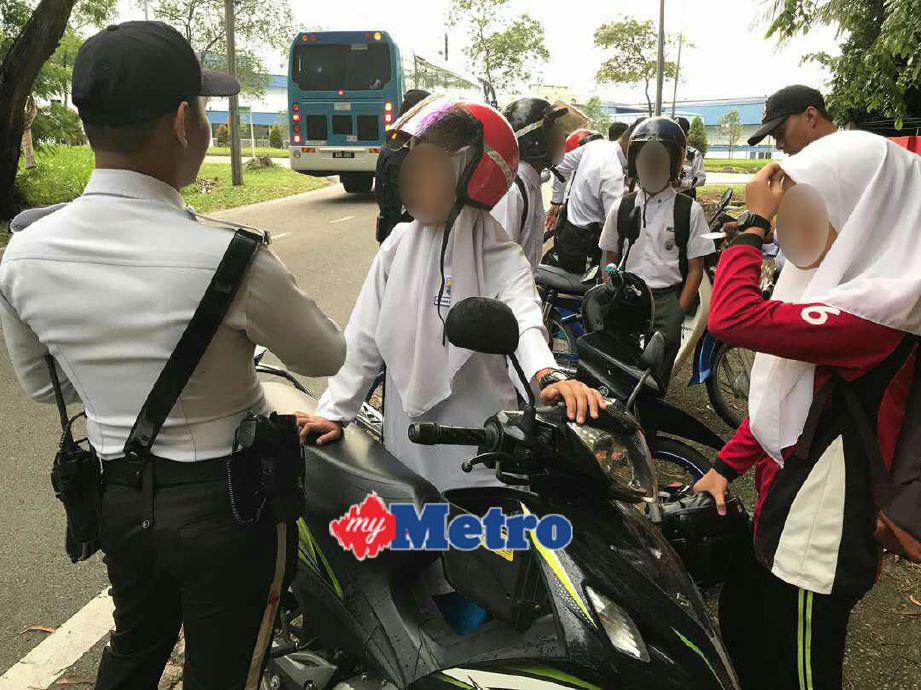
column 662, row 417
column 704, row 355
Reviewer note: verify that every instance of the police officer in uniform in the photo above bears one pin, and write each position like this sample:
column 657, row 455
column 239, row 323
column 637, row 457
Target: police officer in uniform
column 693, row 174
column 107, row 285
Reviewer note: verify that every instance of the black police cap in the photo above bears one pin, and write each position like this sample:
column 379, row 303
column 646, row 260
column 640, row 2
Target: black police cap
column 790, row 100
column 136, row 71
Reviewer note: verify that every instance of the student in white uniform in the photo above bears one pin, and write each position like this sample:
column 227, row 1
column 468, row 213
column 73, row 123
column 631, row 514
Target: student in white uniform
column 461, row 162
column 540, row 136
column 693, row 174
column 668, row 252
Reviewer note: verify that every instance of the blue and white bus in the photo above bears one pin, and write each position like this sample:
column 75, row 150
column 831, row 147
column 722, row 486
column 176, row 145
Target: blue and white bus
column 344, row 90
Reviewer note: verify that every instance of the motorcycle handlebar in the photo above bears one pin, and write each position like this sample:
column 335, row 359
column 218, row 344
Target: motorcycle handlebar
column 432, row 434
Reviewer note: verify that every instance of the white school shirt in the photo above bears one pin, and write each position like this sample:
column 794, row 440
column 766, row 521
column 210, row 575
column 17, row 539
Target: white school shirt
column 482, row 387
column 108, row 284
column 654, row 257
column 510, row 207
column 597, row 184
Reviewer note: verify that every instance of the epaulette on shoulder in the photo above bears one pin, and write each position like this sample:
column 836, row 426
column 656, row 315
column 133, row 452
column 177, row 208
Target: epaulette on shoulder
column 262, row 235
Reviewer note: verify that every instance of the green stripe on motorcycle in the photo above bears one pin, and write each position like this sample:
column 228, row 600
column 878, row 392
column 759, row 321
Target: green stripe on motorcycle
column 310, row 552
column 697, row 650
column 546, row 672
column 454, row 681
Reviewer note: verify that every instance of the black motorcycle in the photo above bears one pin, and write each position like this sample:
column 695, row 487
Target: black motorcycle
column 615, row 608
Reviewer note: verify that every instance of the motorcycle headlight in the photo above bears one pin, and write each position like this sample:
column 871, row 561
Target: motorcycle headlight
column 617, row 624
column 623, row 458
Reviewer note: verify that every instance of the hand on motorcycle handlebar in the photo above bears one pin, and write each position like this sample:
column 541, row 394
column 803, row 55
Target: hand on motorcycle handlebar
column 579, row 399
column 326, row 429
column 716, row 485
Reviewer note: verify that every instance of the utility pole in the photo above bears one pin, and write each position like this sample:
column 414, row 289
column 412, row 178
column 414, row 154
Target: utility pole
column 236, row 165
column 677, row 73
column 660, row 67
column 446, row 47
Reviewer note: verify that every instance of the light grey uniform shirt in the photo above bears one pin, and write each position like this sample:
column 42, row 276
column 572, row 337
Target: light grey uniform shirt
column 108, row 284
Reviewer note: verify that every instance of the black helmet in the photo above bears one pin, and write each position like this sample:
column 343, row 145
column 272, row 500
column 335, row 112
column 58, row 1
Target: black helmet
column 663, row 130
column 533, row 120
column 684, row 123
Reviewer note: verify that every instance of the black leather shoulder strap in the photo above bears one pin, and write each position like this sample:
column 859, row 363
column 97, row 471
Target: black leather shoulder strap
column 525, row 210
column 624, row 216
column 194, row 341
column 683, row 205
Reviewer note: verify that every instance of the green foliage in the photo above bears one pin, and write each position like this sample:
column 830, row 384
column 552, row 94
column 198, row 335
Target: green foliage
column 63, row 171
column 735, row 165
column 260, row 28
column 878, row 71
column 276, row 137
column 697, row 135
column 57, row 124
column 54, row 79
column 501, row 49
column 598, row 120
column 222, row 135
column 730, row 125
column 633, row 58
column 260, row 151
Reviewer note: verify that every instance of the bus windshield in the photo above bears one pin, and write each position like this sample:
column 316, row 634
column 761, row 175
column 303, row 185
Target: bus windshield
column 351, row 67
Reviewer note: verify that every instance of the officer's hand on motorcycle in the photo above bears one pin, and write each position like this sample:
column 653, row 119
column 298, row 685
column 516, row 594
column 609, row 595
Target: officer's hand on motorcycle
column 325, row 430
column 552, row 215
column 716, row 485
column 579, row 398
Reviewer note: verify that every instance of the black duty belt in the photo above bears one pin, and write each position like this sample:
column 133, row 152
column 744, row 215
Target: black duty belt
column 128, row 472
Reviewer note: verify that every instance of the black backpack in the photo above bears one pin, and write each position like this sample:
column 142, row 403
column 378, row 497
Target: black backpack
column 625, row 217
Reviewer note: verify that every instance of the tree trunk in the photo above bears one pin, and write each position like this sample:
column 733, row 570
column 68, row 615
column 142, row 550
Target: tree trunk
column 36, row 42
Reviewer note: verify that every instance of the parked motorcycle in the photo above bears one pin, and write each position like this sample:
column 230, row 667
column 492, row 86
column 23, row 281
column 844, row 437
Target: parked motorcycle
column 614, row 608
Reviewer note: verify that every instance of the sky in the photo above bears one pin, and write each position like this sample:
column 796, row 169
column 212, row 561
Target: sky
column 730, row 56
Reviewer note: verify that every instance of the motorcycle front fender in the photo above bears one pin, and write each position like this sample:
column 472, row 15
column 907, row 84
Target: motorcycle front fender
column 704, row 356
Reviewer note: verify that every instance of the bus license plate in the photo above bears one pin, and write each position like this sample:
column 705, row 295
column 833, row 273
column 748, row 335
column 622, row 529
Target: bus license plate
column 343, row 154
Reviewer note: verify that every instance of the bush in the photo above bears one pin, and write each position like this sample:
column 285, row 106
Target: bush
column 222, row 136
column 56, row 124
column 697, row 136
column 276, row 137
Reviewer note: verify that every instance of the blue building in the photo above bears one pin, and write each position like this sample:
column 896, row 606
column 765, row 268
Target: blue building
column 710, row 111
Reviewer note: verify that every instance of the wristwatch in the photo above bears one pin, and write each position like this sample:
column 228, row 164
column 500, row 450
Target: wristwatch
column 551, row 377
column 753, row 220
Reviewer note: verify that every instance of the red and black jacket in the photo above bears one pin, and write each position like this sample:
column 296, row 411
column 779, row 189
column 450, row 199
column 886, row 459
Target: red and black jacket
column 815, row 517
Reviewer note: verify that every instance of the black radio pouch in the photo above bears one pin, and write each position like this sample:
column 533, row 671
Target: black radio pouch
column 76, row 480
column 266, row 470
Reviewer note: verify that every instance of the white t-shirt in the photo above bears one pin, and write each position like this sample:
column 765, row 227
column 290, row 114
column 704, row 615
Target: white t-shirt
column 693, row 173
column 654, row 257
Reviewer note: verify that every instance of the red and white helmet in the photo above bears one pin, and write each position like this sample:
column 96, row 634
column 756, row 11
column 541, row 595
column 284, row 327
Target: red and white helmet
column 457, row 125
column 579, row 138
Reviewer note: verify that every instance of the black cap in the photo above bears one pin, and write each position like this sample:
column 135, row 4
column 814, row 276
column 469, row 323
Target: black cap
column 790, row 100
column 137, row 71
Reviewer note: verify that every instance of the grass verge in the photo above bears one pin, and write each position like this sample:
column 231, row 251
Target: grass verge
column 62, row 173
column 734, row 165
column 711, row 193
column 247, row 152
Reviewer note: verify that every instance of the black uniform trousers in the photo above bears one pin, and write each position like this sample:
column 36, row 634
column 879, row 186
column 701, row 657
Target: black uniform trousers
column 574, row 247
column 195, row 567
column 779, row 636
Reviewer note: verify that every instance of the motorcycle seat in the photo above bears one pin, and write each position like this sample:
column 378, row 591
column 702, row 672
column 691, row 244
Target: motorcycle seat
column 342, row 474
column 556, row 278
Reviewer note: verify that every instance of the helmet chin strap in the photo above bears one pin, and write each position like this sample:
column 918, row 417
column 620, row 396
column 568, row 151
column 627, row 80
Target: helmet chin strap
column 449, row 224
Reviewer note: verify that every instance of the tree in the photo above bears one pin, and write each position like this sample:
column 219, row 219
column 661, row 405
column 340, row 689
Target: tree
column 697, row 135
column 276, row 137
column 260, row 27
column 634, row 57
column 501, row 50
column 222, row 135
column 730, row 125
column 58, row 124
column 878, row 73
column 22, row 61
column 598, row 120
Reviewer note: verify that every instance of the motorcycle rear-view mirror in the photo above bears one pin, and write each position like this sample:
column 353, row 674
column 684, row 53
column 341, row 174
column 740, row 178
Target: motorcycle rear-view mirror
column 726, row 198
column 654, row 352
column 483, row 325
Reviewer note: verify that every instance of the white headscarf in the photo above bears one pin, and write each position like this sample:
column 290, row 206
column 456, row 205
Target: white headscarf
column 872, row 190
column 482, row 260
